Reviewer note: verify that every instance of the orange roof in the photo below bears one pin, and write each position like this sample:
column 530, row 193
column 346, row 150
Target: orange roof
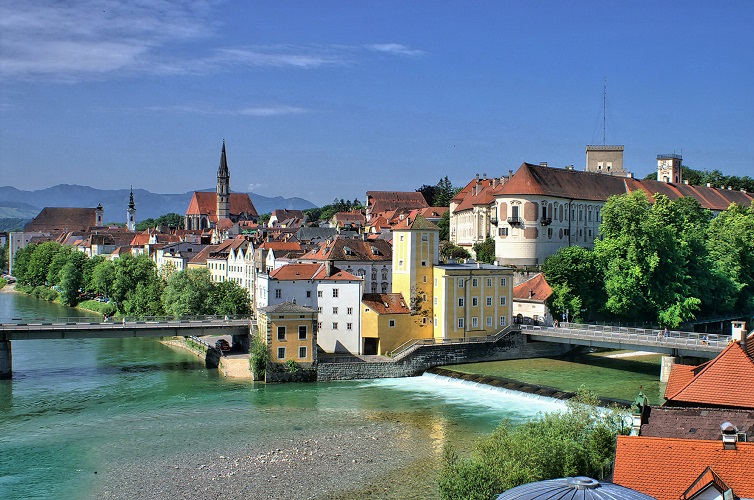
column 680, row 376
column 417, row 222
column 310, row 271
column 727, row 380
column 433, row 212
column 386, row 303
column 535, row 288
column 666, row 468
column 140, row 239
column 281, row 245
column 205, row 203
column 381, row 201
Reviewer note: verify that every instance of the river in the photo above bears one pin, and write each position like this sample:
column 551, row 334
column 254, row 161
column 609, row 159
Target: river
column 78, row 407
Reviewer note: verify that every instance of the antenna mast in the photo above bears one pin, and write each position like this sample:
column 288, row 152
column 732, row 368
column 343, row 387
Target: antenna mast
column 604, row 107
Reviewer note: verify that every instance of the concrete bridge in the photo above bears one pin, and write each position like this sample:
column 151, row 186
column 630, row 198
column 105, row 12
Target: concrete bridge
column 87, row 328
column 671, row 343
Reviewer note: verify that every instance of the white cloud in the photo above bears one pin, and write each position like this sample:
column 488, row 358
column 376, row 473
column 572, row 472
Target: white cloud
column 247, row 111
column 395, row 49
column 79, row 40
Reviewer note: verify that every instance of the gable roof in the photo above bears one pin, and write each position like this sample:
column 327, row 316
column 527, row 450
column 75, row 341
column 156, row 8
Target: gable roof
column 316, row 271
column 727, row 380
column 566, row 183
column 58, row 219
column 534, row 289
column 694, row 423
column 287, row 307
column 416, row 222
column 382, row 201
column 665, row 468
column 351, row 250
column 386, row 303
column 205, row 203
column 200, row 259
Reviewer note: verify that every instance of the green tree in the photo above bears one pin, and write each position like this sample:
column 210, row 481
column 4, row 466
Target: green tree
column 39, row 263
column 72, row 278
column 731, row 250
column 577, row 281
column 188, row 292
column 4, row 258
column 103, row 277
column 146, row 300
column 228, row 297
column 59, row 260
column 444, row 225
column 577, row 442
column 171, row 220
column 145, row 224
column 21, row 262
column 485, row 251
column 444, row 192
column 449, row 250
column 130, row 271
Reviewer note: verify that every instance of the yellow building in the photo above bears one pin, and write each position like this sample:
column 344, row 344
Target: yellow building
column 385, row 322
column 289, row 330
column 471, row 300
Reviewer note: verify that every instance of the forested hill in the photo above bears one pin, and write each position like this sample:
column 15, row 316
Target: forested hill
column 15, row 203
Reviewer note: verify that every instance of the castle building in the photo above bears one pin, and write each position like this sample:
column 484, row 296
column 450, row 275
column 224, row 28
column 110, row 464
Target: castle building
column 605, row 160
column 206, row 208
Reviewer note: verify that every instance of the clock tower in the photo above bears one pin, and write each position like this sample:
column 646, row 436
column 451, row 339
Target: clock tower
column 669, row 168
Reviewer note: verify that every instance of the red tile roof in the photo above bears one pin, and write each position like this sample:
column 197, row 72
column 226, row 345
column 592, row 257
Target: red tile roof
column 666, row 467
column 727, row 381
column 205, row 203
column 350, row 249
column 680, row 376
column 433, row 212
column 58, row 219
column 290, row 246
column 386, row 303
column 381, row 201
column 317, row 271
column 535, row 288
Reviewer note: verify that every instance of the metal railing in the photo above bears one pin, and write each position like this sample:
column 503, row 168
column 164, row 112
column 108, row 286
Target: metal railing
column 411, row 345
column 81, row 322
column 634, row 336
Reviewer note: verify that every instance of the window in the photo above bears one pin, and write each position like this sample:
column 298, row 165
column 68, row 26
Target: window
column 502, row 281
column 460, row 323
column 281, row 333
column 424, row 321
column 489, row 301
column 434, row 301
column 425, row 237
column 503, row 301
column 319, row 310
column 391, row 323
column 335, row 293
column 474, row 322
column 302, row 332
column 281, row 352
column 489, row 281
column 319, row 325
column 349, row 310
column 475, row 282
column 335, row 326
column 435, row 321
column 435, row 281
column 460, row 282
column 278, row 293
column 400, row 263
column 302, row 352
column 319, row 293
column 349, row 326
column 308, row 294
column 502, row 231
column 474, row 301
column 489, row 320
column 460, row 302
column 502, row 320
column 401, row 238
column 335, row 310
column 424, row 264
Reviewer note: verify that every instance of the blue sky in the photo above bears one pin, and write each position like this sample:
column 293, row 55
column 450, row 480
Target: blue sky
column 326, row 99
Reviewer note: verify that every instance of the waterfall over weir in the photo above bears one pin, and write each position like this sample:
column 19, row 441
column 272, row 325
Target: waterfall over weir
column 514, row 404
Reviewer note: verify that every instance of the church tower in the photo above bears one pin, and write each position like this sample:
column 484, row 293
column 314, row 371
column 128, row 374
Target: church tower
column 669, row 168
column 223, row 188
column 131, row 213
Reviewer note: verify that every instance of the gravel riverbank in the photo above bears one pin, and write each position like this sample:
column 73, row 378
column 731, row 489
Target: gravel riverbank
column 370, row 461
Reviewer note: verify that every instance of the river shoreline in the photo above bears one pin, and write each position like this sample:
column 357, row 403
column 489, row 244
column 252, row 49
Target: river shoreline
column 363, row 462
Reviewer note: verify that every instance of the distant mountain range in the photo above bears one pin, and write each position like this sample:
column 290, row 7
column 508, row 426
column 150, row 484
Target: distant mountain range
column 18, row 204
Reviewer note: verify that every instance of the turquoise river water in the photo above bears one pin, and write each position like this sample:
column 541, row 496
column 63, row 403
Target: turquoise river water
column 78, row 406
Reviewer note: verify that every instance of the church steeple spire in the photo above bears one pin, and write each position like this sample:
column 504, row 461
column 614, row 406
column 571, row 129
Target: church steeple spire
column 223, row 187
column 131, row 213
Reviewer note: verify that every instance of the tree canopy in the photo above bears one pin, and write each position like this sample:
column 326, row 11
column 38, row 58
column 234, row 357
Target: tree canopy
column 171, row 220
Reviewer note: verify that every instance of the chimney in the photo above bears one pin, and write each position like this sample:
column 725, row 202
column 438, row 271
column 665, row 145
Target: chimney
column 709, row 184
column 686, row 181
column 730, row 435
column 484, row 176
column 510, row 174
column 630, row 175
column 531, row 294
column 738, row 332
column 477, row 178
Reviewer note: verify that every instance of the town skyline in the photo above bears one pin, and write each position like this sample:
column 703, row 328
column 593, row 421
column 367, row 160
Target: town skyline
column 305, row 95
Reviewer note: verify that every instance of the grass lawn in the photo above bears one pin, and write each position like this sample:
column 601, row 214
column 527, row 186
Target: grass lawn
column 617, row 378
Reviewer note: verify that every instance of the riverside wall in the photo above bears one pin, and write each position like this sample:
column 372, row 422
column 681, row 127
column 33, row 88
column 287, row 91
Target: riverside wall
column 513, row 346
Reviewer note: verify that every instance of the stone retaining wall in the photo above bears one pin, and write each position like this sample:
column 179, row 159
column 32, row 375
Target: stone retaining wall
column 513, row 346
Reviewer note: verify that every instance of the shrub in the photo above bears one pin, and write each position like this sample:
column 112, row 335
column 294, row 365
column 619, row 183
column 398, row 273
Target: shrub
column 260, row 356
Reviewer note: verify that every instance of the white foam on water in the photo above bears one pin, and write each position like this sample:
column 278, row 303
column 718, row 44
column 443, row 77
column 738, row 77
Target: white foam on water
column 465, row 392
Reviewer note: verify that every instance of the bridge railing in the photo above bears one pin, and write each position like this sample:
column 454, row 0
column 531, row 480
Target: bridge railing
column 124, row 320
column 413, row 344
column 636, row 336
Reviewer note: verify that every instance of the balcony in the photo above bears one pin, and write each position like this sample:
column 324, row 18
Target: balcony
column 545, row 221
column 515, row 221
column 493, row 220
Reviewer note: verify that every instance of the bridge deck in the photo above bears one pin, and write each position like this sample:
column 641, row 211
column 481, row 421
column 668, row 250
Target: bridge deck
column 69, row 328
column 673, row 343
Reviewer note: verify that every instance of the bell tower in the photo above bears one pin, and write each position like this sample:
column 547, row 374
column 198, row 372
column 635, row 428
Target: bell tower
column 669, row 168
column 223, row 187
column 131, row 213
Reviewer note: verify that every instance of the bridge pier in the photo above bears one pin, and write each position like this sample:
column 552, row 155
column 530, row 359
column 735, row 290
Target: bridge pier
column 6, row 360
column 667, row 365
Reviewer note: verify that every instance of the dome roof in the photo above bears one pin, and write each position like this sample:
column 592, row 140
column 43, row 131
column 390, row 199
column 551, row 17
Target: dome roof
column 572, row 488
